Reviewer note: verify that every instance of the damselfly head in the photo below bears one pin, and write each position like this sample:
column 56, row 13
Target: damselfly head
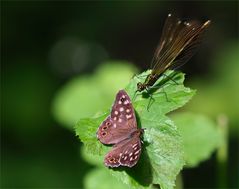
column 141, row 86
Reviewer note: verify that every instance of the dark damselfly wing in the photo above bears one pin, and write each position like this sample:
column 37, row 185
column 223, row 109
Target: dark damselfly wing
column 178, row 43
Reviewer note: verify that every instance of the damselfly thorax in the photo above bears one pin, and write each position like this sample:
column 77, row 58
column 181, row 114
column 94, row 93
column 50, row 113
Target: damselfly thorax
column 149, row 81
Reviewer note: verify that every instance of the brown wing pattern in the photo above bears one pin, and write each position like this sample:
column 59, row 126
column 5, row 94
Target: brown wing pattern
column 120, row 123
column 126, row 153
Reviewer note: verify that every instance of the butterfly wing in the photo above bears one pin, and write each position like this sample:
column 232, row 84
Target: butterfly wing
column 125, row 153
column 120, row 123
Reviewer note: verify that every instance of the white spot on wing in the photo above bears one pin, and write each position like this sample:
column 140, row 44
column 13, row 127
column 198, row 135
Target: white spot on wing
column 136, row 152
column 128, row 116
column 121, row 109
column 120, row 120
column 116, row 112
column 126, row 102
column 119, row 102
column 114, row 125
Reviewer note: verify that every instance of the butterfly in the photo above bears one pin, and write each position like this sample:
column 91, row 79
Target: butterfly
column 178, row 43
column 120, row 129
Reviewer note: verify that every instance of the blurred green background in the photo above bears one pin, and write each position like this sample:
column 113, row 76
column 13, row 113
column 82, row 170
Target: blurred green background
column 49, row 49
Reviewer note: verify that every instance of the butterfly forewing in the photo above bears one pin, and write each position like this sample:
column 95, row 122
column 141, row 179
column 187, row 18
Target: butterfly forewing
column 120, row 123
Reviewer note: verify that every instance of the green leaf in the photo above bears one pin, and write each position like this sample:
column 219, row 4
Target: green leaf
column 201, row 137
column 102, row 179
column 95, row 159
column 162, row 157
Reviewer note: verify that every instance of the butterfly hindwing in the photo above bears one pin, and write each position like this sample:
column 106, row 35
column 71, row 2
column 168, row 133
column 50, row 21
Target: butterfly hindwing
column 125, row 153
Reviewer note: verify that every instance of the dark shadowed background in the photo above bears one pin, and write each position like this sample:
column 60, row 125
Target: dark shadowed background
column 46, row 44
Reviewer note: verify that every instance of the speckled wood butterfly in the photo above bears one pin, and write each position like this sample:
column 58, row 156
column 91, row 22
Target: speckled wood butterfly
column 120, row 129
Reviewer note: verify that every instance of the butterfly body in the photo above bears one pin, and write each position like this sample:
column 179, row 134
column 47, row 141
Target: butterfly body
column 177, row 45
column 120, row 129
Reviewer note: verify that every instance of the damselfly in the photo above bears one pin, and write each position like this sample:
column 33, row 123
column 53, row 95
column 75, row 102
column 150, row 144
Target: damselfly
column 178, row 43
